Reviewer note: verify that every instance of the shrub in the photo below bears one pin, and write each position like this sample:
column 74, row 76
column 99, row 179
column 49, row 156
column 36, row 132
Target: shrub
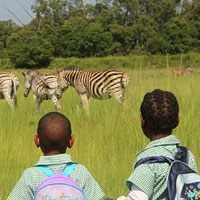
column 29, row 50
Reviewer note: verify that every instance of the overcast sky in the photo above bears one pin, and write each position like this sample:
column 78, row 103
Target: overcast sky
column 16, row 7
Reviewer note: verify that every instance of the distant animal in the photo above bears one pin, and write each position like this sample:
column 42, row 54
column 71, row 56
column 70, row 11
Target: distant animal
column 182, row 71
column 44, row 87
column 9, row 84
column 97, row 84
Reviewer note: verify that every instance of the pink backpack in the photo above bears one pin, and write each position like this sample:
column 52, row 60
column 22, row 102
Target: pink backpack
column 58, row 186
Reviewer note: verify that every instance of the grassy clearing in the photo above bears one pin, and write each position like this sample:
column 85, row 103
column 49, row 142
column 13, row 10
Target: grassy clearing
column 131, row 62
column 108, row 140
column 127, row 62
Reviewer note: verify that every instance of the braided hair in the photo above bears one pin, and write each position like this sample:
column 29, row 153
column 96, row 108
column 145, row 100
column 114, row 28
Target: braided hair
column 160, row 110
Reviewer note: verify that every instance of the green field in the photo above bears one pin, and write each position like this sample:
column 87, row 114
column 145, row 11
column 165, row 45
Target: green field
column 107, row 141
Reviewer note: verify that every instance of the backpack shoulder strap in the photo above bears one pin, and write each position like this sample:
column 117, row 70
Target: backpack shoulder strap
column 69, row 169
column 153, row 159
column 47, row 171
column 181, row 154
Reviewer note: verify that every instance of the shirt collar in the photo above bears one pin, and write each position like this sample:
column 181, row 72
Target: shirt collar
column 169, row 140
column 55, row 159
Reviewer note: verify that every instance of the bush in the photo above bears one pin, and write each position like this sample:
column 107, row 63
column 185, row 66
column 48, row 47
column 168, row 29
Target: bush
column 80, row 41
column 29, row 50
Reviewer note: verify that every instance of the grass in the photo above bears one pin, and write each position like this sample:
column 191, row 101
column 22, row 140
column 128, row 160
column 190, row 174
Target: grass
column 108, row 140
column 131, row 62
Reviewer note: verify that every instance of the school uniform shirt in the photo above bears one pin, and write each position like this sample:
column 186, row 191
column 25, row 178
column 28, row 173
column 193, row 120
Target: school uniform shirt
column 33, row 177
column 151, row 178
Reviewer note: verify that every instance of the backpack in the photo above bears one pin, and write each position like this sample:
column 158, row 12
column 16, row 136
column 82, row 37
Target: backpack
column 182, row 182
column 58, row 186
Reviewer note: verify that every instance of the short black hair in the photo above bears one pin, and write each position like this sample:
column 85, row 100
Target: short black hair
column 160, row 110
column 54, row 132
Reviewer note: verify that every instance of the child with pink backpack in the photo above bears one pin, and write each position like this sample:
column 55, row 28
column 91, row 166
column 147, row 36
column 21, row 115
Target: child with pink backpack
column 55, row 176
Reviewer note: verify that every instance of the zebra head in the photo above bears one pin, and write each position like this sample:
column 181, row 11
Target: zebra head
column 27, row 83
column 29, row 76
column 62, row 82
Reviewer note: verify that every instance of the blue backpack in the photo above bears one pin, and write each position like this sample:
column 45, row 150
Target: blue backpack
column 182, row 182
column 58, row 186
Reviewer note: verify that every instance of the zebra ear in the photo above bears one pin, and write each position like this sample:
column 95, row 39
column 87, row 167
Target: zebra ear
column 23, row 74
column 57, row 71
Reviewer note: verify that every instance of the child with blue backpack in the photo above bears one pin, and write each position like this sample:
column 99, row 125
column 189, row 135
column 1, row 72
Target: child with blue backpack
column 55, row 176
column 159, row 116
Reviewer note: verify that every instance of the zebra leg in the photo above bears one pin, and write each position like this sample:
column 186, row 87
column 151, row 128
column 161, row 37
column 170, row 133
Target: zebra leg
column 10, row 103
column 9, row 100
column 56, row 102
column 78, row 106
column 84, row 100
column 37, row 101
column 119, row 96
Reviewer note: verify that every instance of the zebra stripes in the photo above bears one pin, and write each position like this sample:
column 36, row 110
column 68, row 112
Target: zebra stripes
column 9, row 84
column 100, row 85
column 97, row 84
column 44, row 87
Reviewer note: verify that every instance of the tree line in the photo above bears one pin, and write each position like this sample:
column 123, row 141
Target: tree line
column 70, row 28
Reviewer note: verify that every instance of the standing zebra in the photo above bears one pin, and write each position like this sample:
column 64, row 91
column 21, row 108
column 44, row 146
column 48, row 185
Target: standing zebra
column 44, row 87
column 97, row 84
column 9, row 84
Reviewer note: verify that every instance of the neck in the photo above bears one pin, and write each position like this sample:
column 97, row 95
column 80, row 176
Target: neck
column 158, row 136
column 53, row 153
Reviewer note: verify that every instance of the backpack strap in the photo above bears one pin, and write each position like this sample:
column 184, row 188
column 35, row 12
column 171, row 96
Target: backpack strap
column 69, row 169
column 182, row 154
column 46, row 170
column 49, row 173
column 153, row 159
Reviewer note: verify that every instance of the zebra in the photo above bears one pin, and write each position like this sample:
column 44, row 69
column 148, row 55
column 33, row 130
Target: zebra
column 97, row 84
column 44, row 87
column 9, row 84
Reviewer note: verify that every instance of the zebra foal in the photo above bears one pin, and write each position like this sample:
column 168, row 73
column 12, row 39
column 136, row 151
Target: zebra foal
column 97, row 84
column 44, row 87
column 9, row 84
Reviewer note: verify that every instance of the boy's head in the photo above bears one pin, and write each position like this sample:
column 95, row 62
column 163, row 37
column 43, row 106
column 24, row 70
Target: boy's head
column 159, row 113
column 54, row 134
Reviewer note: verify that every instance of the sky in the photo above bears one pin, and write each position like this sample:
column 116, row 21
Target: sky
column 19, row 8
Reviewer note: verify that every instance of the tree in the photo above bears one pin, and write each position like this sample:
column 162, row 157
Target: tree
column 101, row 14
column 192, row 19
column 122, row 38
column 28, row 49
column 6, row 29
column 80, row 39
column 174, row 39
column 97, row 41
column 49, row 12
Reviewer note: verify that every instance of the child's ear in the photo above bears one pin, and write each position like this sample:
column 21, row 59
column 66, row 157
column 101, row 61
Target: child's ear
column 178, row 121
column 71, row 141
column 37, row 140
column 142, row 121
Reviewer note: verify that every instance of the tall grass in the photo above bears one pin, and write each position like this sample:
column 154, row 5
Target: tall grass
column 108, row 140
column 131, row 61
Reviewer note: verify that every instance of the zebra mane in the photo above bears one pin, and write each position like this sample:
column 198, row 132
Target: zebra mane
column 71, row 68
column 33, row 73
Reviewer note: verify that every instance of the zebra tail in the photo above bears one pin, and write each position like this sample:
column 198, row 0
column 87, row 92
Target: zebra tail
column 14, row 90
column 125, row 80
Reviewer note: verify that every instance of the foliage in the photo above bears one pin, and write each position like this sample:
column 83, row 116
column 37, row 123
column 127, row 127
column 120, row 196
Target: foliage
column 81, row 41
column 27, row 49
column 6, row 29
column 112, row 27
column 174, row 38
